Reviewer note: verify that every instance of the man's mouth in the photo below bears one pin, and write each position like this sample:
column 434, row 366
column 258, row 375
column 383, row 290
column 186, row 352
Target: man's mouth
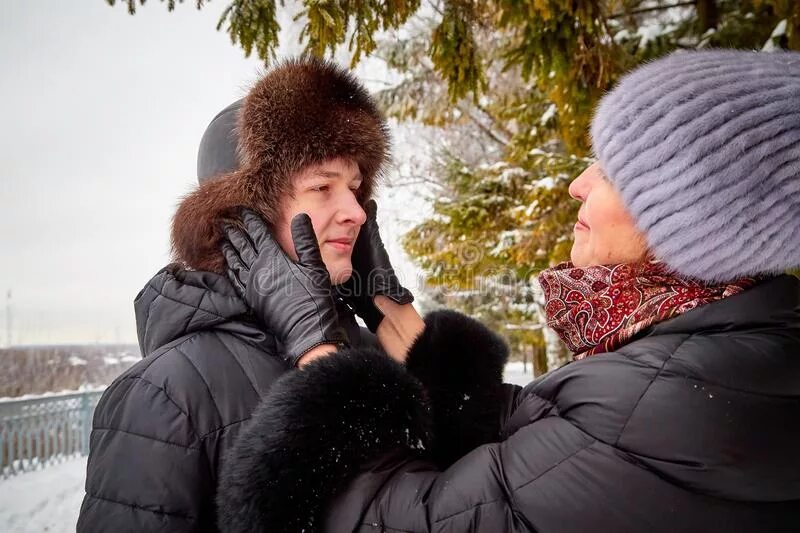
column 344, row 244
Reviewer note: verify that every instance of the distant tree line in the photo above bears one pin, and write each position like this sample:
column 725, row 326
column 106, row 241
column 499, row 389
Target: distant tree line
column 36, row 370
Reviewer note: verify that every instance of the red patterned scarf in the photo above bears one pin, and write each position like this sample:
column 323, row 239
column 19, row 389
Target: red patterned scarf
column 599, row 308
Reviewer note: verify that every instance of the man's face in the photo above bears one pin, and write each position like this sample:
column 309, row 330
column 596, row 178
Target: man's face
column 328, row 193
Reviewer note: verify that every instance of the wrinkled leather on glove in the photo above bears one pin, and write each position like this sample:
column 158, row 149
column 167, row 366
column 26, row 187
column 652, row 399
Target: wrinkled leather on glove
column 293, row 299
column 373, row 273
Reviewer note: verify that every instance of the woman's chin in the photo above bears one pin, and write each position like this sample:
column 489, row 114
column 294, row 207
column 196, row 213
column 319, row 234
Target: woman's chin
column 577, row 258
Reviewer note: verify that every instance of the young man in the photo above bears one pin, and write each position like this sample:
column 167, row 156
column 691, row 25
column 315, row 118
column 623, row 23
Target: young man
column 310, row 140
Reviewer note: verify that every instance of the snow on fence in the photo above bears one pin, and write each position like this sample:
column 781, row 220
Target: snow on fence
column 36, row 431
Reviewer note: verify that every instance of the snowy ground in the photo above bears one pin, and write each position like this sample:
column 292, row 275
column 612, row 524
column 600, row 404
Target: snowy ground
column 48, row 500
column 518, row 374
column 45, row 500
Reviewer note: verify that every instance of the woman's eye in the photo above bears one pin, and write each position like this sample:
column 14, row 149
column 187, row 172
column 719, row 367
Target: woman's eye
column 321, row 188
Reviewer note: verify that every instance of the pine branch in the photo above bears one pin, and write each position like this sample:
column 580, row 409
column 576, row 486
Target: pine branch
column 484, row 128
column 408, row 181
column 496, row 123
column 651, row 9
column 131, row 4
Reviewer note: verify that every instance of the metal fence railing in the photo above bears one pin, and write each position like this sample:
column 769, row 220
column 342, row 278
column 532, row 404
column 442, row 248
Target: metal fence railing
column 37, row 431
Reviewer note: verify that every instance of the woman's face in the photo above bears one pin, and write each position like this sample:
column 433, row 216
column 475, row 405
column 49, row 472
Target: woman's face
column 328, row 193
column 605, row 233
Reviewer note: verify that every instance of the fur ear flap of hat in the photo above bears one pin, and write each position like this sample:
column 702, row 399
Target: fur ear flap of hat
column 302, row 112
column 704, row 148
column 196, row 232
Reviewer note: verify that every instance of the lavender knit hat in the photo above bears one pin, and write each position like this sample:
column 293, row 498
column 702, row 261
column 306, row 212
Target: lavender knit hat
column 704, row 148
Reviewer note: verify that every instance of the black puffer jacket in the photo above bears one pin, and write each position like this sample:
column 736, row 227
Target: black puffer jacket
column 692, row 426
column 161, row 428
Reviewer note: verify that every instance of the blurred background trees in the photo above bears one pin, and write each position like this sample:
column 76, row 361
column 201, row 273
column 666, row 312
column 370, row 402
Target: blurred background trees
column 506, row 89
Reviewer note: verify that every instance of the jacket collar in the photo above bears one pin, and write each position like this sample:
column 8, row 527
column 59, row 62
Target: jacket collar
column 178, row 302
column 773, row 303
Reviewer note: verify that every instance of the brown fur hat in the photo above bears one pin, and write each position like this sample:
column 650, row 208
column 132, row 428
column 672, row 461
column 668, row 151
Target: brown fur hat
column 302, row 112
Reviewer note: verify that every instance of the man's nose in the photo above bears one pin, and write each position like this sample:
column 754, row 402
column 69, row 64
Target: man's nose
column 351, row 210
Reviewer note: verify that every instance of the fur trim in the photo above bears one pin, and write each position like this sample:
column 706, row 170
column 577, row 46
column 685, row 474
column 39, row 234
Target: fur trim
column 460, row 362
column 312, row 433
column 304, row 111
column 197, row 224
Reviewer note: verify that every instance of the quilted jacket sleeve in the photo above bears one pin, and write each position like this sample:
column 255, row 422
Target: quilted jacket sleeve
column 147, row 470
column 344, row 445
column 359, row 410
column 349, row 443
column 630, row 441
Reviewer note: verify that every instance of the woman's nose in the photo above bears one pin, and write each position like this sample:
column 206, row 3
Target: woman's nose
column 580, row 186
column 576, row 189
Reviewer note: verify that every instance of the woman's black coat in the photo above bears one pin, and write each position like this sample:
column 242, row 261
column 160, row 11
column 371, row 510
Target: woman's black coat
column 692, row 426
column 161, row 427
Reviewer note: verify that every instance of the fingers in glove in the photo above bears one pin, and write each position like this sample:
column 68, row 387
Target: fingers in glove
column 362, row 244
column 257, row 228
column 370, row 228
column 371, row 209
column 309, row 257
column 371, row 231
column 400, row 295
column 305, row 242
column 239, row 240
column 237, row 271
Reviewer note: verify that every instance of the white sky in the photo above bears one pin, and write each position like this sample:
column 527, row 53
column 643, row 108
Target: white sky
column 103, row 113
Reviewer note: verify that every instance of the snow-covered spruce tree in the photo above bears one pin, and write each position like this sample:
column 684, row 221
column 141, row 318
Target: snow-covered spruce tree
column 508, row 151
column 508, row 87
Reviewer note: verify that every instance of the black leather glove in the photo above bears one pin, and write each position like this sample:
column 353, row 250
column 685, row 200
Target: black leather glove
column 294, row 300
column 373, row 273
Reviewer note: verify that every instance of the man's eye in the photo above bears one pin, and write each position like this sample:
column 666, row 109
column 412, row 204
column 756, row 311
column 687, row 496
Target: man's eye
column 321, row 188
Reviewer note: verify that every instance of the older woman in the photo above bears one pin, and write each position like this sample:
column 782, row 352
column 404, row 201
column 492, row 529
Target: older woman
column 681, row 409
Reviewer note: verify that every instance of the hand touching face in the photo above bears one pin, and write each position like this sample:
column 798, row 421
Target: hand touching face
column 329, row 194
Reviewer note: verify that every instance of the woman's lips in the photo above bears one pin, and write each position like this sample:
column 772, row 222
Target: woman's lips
column 580, row 226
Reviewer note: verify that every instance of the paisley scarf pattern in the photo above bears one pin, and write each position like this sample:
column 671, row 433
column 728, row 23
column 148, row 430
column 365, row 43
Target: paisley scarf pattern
column 597, row 309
